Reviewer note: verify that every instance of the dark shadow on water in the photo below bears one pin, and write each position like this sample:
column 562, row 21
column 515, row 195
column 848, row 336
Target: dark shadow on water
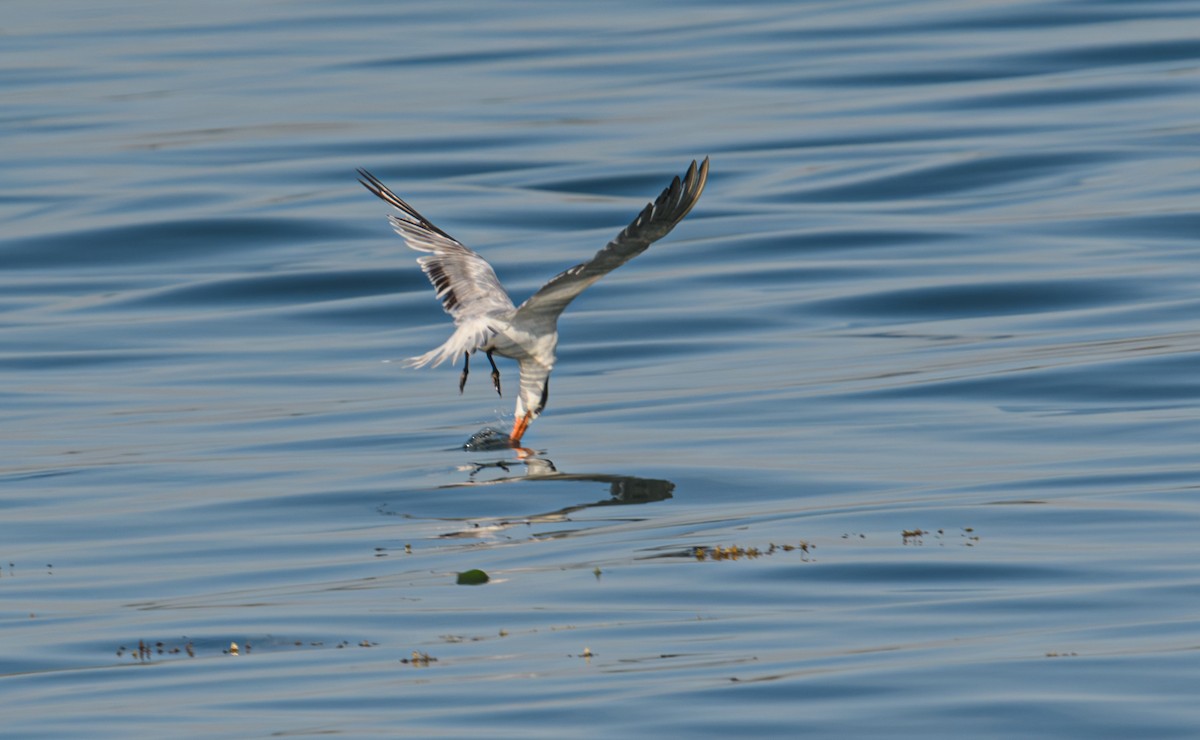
column 528, row 466
column 625, row 489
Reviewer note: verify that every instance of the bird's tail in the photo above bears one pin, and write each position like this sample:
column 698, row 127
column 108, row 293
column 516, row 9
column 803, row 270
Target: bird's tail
column 434, row 357
column 468, row 337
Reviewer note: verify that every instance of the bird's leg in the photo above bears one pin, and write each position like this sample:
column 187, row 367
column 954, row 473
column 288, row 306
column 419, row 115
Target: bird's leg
column 495, row 374
column 462, row 380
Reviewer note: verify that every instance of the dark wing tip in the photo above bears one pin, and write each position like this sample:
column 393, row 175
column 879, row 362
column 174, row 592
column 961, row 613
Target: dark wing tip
column 697, row 180
column 676, row 200
column 375, row 185
column 384, row 193
column 693, row 185
column 701, row 176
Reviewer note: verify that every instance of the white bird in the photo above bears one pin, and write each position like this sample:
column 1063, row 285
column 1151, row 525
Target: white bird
column 485, row 317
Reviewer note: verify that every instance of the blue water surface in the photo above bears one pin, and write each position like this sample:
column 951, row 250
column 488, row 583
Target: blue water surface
column 896, row 434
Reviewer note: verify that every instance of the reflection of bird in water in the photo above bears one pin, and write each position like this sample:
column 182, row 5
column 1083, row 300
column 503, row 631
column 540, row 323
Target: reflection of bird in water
column 485, row 317
column 624, row 490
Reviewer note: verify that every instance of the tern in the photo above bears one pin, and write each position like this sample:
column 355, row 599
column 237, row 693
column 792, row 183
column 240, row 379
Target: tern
column 484, row 316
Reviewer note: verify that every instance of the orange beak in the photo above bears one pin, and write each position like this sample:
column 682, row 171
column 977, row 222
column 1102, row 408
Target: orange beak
column 519, row 427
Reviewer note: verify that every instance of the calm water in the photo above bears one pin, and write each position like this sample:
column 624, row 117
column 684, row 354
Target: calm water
column 896, row 434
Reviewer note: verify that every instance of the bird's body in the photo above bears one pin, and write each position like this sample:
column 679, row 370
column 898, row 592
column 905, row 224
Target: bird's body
column 485, row 317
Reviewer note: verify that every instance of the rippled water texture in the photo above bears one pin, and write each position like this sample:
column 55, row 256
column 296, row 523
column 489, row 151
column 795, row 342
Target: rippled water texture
column 896, row 434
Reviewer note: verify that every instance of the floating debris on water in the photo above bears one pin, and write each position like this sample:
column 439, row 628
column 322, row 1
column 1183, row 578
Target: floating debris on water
column 737, row 552
column 419, row 659
column 473, row 577
column 916, row 536
column 382, row 552
column 145, row 651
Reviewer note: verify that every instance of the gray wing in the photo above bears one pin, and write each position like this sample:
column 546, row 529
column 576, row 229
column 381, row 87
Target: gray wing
column 654, row 222
column 464, row 281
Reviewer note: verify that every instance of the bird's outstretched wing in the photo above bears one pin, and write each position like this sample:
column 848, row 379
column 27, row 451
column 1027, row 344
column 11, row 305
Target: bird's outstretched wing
column 466, row 284
column 654, row 222
column 464, row 281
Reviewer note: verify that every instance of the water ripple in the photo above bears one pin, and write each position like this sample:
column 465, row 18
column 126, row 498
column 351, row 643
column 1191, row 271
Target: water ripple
column 895, row 431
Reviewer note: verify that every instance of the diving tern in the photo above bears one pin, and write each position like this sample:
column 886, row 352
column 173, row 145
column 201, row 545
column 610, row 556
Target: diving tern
column 485, row 317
